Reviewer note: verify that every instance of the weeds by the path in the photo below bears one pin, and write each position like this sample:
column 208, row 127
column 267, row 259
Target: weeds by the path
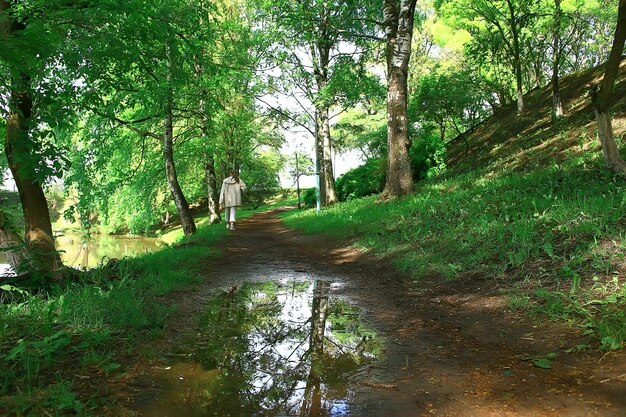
column 57, row 346
column 561, row 229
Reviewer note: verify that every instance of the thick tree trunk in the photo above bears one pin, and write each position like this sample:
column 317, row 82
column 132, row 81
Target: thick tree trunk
column 602, row 100
column 13, row 247
column 399, row 18
column 319, row 158
column 18, row 149
column 22, row 162
column 557, row 106
column 612, row 157
column 213, row 192
column 321, row 60
column 327, row 162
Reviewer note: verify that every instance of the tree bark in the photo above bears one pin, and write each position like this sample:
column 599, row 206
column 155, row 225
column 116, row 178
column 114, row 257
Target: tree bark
column 213, row 192
column 321, row 60
column 22, row 162
column 11, row 244
column 399, row 17
column 557, row 106
column 319, row 158
column 517, row 61
column 330, row 191
column 186, row 219
column 603, row 99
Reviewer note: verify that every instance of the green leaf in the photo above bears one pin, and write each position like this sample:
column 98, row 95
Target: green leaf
column 110, row 367
column 543, row 363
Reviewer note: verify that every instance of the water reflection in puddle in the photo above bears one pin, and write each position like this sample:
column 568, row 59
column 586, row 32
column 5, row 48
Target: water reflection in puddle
column 270, row 349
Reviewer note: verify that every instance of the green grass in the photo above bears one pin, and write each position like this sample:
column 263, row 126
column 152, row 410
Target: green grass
column 77, row 328
column 558, row 226
column 48, row 339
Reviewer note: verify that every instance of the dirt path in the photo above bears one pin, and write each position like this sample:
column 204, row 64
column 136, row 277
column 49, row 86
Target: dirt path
column 453, row 348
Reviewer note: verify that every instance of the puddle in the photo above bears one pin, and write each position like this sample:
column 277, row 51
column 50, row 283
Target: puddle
column 270, row 349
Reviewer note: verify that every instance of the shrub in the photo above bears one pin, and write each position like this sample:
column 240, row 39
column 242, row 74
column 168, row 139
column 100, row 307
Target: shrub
column 428, row 156
column 362, row 181
column 310, row 198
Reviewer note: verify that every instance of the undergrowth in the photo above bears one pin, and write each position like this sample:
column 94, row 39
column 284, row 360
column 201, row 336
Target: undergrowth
column 56, row 340
column 560, row 227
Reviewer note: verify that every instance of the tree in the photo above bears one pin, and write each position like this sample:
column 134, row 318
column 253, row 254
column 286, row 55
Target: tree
column 557, row 106
column 602, row 99
column 23, row 147
column 323, row 53
column 451, row 100
column 502, row 23
column 399, row 19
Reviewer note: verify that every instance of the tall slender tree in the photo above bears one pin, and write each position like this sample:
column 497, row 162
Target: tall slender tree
column 557, row 105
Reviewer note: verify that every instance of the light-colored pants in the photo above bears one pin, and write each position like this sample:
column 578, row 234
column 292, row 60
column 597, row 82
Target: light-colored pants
column 231, row 214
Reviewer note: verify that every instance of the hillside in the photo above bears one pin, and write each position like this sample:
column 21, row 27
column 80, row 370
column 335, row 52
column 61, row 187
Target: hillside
column 528, row 212
column 509, row 142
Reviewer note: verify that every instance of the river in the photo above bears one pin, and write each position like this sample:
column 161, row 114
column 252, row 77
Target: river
column 82, row 253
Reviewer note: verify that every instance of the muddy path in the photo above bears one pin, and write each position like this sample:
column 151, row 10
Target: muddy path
column 451, row 348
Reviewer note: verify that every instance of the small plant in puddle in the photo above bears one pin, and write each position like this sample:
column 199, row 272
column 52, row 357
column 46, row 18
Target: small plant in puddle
column 545, row 362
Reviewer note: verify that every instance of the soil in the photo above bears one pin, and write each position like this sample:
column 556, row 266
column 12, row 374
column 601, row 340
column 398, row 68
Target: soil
column 454, row 348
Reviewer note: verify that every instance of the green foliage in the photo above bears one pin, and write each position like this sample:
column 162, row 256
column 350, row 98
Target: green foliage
column 362, row 181
column 428, row 155
column 310, row 198
column 262, row 178
column 453, row 101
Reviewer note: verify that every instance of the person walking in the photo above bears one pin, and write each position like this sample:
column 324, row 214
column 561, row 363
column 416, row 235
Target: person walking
column 230, row 197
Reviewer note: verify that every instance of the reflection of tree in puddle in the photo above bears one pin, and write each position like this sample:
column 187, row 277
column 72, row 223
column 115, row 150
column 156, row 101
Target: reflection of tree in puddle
column 273, row 349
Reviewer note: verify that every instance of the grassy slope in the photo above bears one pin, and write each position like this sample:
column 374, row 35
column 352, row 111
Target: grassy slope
column 527, row 204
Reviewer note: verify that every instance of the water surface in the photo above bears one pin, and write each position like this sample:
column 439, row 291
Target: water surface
column 271, row 349
column 80, row 252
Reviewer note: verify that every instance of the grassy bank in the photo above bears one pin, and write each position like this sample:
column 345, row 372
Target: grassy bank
column 59, row 346
column 556, row 233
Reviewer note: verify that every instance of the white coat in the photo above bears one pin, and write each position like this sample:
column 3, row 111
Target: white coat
column 230, row 195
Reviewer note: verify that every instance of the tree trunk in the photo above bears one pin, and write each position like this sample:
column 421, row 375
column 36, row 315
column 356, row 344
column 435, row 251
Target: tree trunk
column 18, row 149
column 602, row 100
column 213, row 192
column 557, row 106
column 319, row 157
column 517, row 61
column 13, row 247
column 327, row 162
column 186, row 219
column 22, row 162
column 399, row 18
column 320, row 52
